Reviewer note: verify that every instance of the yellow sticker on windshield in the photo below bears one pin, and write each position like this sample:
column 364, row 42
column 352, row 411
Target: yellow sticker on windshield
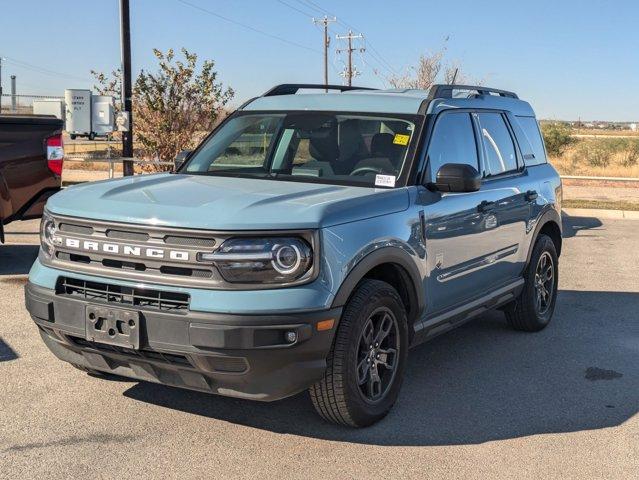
column 401, row 139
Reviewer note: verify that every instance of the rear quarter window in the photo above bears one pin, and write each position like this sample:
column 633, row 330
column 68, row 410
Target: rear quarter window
column 530, row 128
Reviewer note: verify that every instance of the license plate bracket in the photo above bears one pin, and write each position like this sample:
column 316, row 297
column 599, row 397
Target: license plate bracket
column 113, row 326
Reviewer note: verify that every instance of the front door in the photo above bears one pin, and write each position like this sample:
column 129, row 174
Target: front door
column 459, row 231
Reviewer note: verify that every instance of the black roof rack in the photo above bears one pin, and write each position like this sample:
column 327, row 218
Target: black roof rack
column 446, row 91
column 292, row 88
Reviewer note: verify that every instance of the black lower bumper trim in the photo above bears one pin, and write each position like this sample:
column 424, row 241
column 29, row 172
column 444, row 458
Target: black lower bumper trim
column 236, row 355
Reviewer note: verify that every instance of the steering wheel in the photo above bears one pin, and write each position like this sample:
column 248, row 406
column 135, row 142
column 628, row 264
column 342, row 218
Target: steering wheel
column 364, row 170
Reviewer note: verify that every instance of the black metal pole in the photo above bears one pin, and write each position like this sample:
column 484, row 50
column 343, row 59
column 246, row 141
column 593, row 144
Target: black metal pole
column 125, row 42
column 0, row 84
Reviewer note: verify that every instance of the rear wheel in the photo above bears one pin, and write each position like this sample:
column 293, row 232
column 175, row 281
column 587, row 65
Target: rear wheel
column 366, row 364
column 535, row 305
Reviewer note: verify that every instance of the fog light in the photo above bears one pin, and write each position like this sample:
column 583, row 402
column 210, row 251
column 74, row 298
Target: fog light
column 291, row 337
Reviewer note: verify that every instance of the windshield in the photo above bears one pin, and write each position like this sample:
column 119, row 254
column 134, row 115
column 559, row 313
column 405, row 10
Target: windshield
column 351, row 149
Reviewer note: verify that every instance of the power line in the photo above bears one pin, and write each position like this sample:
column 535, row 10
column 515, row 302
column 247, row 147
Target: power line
column 248, row 27
column 292, row 7
column 373, row 51
column 29, row 66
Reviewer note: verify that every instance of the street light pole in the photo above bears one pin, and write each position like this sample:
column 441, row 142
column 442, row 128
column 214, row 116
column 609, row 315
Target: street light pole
column 125, row 43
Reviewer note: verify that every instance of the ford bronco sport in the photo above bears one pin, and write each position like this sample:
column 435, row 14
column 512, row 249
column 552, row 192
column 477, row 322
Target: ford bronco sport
column 307, row 243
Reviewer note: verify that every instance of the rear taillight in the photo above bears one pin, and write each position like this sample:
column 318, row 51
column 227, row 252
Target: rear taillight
column 55, row 154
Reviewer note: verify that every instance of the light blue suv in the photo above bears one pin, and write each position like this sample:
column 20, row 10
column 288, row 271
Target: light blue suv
column 308, row 242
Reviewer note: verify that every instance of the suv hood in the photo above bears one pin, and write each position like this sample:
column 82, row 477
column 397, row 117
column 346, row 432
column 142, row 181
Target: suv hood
column 224, row 203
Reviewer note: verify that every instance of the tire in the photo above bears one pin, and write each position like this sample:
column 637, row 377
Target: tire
column 526, row 313
column 72, row 136
column 339, row 397
column 91, row 136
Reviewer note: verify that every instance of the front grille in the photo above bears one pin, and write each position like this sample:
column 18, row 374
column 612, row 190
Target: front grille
column 120, row 250
column 190, row 241
column 170, row 358
column 130, row 236
column 69, row 227
column 126, row 296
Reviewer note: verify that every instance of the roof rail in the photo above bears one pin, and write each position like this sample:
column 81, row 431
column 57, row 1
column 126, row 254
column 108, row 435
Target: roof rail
column 292, row 88
column 446, row 91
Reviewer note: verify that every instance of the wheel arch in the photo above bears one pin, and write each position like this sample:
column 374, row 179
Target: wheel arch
column 394, row 266
column 548, row 224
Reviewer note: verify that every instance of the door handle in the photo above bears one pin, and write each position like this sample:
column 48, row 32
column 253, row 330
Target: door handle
column 486, row 206
column 531, row 195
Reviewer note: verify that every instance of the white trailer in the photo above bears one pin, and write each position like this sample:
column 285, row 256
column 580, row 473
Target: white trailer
column 88, row 115
column 49, row 106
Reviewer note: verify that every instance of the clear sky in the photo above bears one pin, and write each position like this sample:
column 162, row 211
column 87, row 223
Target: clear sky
column 569, row 58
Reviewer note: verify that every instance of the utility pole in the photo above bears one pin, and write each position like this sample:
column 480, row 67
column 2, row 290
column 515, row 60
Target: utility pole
column 350, row 72
column 14, row 103
column 0, row 84
column 327, row 41
column 125, row 43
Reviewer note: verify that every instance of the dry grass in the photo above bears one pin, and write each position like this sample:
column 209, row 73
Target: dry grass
column 601, row 204
column 88, row 165
column 605, row 132
column 602, row 157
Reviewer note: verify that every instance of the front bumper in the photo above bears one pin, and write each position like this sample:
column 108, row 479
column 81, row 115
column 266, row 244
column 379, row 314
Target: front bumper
column 235, row 355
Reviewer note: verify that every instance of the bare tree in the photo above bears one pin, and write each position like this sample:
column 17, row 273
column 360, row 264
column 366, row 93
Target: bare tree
column 431, row 68
column 421, row 76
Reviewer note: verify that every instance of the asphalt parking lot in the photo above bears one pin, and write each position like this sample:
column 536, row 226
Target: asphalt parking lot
column 480, row 402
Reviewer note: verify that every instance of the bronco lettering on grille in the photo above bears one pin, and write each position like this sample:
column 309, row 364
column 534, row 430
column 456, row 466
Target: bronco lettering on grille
column 126, row 250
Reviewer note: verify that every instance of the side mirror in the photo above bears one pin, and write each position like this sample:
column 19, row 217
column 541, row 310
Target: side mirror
column 457, row 177
column 180, row 158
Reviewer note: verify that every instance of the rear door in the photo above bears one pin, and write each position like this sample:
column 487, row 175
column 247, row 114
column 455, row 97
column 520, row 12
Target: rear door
column 507, row 198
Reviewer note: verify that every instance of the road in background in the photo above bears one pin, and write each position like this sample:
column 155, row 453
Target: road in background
column 483, row 401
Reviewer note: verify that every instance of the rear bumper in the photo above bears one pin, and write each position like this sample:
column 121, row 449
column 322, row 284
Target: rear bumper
column 243, row 356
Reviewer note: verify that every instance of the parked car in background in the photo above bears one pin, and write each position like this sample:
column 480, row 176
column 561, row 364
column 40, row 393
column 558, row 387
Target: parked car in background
column 307, row 243
column 31, row 157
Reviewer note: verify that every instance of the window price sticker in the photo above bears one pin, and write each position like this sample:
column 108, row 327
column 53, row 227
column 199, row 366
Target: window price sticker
column 384, row 180
column 401, row 139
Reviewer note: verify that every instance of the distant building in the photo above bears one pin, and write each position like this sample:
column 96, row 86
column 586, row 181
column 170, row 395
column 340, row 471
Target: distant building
column 633, row 127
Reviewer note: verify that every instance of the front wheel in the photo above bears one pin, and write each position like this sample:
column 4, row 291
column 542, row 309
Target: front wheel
column 534, row 307
column 366, row 364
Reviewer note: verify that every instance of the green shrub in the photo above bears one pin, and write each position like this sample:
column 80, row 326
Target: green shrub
column 557, row 138
column 596, row 153
column 630, row 153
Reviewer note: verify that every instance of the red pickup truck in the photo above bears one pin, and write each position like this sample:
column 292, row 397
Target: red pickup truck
column 31, row 157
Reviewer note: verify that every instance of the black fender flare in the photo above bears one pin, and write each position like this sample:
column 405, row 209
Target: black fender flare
column 547, row 216
column 384, row 255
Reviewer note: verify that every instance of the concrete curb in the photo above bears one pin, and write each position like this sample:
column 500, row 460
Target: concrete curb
column 600, row 213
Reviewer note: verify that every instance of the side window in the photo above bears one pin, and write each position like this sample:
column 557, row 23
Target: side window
column 453, row 141
column 531, row 129
column 499, row 148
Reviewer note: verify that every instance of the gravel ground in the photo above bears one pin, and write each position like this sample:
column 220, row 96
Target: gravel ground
column 480, row 402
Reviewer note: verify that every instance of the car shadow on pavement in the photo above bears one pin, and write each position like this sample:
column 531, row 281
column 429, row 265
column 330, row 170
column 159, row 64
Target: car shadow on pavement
column 17, row 259
column 6, row 352
column 572, row 224
column 479, row 383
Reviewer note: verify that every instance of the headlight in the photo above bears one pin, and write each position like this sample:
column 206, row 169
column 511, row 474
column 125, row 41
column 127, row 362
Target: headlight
column 48, row 237
column 262, row 260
